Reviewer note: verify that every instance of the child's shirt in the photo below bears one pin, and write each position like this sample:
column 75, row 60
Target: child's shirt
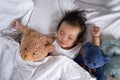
column 71, row 53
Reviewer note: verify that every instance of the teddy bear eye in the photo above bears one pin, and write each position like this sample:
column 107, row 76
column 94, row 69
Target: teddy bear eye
column 25, row 48
column 89, row 62
column 33, row 53
column 94, row 63
column 47, row 44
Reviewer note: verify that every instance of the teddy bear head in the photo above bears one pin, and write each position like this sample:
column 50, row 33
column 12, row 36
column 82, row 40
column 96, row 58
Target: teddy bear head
column 35, row 46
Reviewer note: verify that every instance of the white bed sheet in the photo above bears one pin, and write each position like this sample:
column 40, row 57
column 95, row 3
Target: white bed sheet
column 103, row 13
column 13, row 67
column 14, row 9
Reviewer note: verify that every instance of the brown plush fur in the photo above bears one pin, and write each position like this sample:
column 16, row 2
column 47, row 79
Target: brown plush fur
column 34, row 45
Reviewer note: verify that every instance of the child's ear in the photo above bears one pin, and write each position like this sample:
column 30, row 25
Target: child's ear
column 79, row 41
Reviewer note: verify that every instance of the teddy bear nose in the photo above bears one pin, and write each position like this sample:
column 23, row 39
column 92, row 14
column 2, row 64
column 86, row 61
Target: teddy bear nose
column 25, row 56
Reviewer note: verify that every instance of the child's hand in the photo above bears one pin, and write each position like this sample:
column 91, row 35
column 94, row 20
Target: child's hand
column 95, row 31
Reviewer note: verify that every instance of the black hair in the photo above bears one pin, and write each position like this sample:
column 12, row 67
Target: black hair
column 75, row 18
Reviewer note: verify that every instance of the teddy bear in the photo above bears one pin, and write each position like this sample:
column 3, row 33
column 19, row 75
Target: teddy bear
column 34, row 45
column 94, row 56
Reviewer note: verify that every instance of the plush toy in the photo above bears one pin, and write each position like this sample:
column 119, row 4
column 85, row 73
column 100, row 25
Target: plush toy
column 34, row 45
column 93, row 56
column 112, row 48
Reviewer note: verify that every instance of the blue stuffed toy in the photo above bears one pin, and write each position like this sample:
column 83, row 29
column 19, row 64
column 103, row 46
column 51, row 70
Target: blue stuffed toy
column 92, row 59
column 93, row 56
column 112, row 48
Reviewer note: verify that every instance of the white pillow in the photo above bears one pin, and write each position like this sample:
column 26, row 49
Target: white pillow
column 105, row 14
column 48, row 13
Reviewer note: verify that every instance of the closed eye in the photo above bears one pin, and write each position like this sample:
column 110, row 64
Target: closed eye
column 70, row 38
column 61, row 33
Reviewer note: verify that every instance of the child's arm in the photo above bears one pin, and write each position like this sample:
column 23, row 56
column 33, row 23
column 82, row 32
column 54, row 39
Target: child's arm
column 96, row 35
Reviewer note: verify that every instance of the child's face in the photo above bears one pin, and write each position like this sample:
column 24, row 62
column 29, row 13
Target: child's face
column 67, row 35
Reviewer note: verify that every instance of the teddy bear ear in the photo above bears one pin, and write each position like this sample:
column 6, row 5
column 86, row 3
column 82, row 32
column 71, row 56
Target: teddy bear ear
column 50, row 39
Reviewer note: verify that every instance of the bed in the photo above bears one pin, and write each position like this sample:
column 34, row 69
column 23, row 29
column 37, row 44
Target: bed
column 43, row 16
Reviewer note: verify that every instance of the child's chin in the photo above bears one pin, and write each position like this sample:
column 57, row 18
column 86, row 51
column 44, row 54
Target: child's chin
column 62, row 46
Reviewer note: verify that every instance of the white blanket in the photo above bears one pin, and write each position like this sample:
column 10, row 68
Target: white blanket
column 13, row 67
column 14, row 9
column 103, row 13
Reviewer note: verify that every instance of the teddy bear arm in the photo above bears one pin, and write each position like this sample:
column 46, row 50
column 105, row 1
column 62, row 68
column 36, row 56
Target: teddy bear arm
column 26, row 31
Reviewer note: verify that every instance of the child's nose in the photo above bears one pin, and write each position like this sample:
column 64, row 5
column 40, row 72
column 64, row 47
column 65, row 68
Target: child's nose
column 64, row 38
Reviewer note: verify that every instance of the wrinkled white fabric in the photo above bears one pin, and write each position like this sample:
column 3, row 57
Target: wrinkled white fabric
column 48, row 13
column 14, row 9
column 13, row 67
column 104, row 14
